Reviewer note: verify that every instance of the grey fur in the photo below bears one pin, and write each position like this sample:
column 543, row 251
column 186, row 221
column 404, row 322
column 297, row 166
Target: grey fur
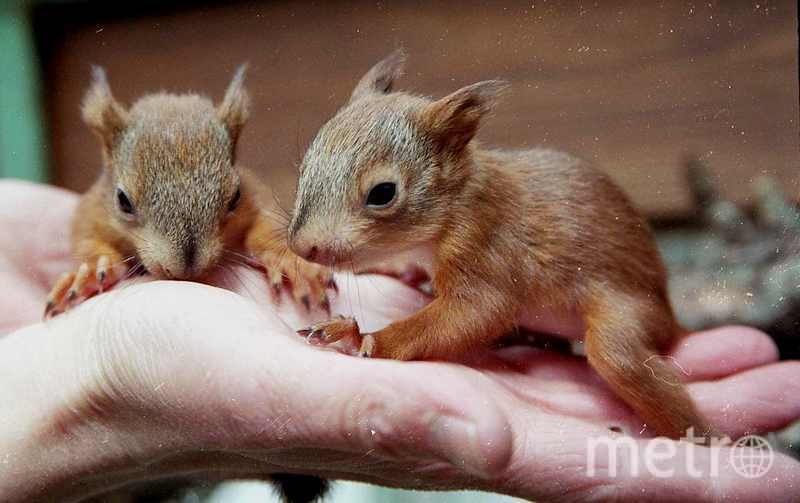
column 382, row 136
column 172, row 155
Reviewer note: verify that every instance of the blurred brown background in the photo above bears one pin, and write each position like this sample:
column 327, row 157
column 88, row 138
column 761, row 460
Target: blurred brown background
column 634, row 86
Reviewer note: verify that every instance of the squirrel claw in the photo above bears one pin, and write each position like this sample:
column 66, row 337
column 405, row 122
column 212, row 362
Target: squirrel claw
column 331, row 331
column 316, row 336
column 307, row 283
column 89, row 279
column 342, row 329
column 367, row 346
column 275, row 290
column 331, row 285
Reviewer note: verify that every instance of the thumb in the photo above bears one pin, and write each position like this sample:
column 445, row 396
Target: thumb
column 395, row 411
column 210, row 369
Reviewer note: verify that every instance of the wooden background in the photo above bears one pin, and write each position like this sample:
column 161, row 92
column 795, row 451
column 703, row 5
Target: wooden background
column 634, row 86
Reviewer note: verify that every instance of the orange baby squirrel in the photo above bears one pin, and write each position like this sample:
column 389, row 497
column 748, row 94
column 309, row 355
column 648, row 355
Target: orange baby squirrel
column 171, row 201
column 507, row 232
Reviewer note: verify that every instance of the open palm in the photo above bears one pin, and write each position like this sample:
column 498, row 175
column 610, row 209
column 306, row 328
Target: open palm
column 204, row 381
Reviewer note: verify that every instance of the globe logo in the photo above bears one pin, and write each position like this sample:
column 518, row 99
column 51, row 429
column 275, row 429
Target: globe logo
column 751, row 456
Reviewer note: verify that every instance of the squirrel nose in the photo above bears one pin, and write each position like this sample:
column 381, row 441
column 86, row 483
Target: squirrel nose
column 324, row 256
column 189, row 255
column 312, row 254
column 303, row 247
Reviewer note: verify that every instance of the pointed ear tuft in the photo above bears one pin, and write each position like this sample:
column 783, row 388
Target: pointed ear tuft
column 104, row 115
column 234, row 109
column 455, row 118
column 380, row 78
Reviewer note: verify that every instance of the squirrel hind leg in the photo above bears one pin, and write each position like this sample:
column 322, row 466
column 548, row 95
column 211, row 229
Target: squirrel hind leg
column 623, row 341
column 300, row 488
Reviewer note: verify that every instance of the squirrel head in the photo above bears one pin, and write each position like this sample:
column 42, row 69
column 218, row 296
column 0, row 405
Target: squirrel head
column 380, row 175
column 169, row 164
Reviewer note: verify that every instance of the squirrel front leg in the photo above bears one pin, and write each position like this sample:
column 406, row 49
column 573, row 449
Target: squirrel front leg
column 448, row 326
column 101, row 266
column 307, row 282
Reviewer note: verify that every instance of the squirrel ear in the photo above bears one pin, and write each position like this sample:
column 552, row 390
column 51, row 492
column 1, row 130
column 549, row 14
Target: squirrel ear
column 380, row 78
column 106, row 117
column 235, row 107
column 456, row 117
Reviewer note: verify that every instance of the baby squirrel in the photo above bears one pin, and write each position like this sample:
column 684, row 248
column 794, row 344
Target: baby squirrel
column 507, row 232
column 171, row 201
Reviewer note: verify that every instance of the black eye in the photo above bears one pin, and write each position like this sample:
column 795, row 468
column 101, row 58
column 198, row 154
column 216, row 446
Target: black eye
column 235, row 200
column 124, row 203
column 382, row 194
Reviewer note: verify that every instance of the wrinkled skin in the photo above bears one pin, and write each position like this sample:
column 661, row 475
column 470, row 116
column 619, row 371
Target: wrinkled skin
column 216, row 384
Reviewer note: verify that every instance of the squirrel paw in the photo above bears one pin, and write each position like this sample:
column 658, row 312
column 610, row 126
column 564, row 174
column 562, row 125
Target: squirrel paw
column 89, row 279
column 338, row 329
column 367, row 347
column 330, row 331
column 307, row 283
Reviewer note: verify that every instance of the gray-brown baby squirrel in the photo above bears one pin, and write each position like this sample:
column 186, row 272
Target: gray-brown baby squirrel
column 507, row 232
column 170, row 200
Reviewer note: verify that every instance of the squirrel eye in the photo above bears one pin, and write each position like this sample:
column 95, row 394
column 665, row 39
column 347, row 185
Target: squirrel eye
column 235, row 200
column 381, row 195
column 124, row 203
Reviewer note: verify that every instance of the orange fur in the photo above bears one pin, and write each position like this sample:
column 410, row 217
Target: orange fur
column 510, row 230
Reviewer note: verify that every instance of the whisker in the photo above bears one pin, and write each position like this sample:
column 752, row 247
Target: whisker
column 355, row 281
column 286, row 213
column 282, row 218
column 245, row 258
column 135, row 270
column 125, row 260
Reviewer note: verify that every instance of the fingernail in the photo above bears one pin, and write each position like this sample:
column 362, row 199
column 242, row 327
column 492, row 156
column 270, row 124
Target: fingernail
column 456, row 439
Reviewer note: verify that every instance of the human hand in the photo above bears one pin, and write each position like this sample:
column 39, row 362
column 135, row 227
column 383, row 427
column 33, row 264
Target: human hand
column 171, row 378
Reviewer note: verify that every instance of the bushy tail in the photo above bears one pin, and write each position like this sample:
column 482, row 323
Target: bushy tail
column 623, row 342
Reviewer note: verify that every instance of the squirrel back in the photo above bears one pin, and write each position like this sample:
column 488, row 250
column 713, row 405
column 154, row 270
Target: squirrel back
column 511, row 232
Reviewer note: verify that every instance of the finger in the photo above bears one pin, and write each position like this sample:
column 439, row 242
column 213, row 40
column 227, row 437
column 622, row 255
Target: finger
column 758, row 400
column 723, row 351
column 400, row 412
column 568, row 460
column 271, row 390
column 36, row 221
column 704, row 355
column 694, row 473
